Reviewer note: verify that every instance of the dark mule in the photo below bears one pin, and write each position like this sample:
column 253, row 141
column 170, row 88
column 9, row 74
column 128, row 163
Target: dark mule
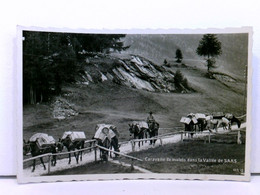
column 190, row 128
column 153, row 130
column 59, row 146
column 26, row 147
column 202, row 124
column 235, row 120
column 115, row 145
column 72, row 146
column 36, row 151
column 106, row 144
column 138, row 132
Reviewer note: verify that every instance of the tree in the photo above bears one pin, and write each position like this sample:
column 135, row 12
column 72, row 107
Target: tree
column 98, row 42
column 165, row 62
column 178, row 55
column 52, row 59
column 181, row 83
column 209, row 47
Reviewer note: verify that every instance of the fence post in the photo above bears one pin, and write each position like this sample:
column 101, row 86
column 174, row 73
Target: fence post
column 161, row 141
column 95, row 150
column 133, row 145
column 209, row 136
column 119, row 160
column 49, row 164
column 181, row 136
column 132, row 164
column 239, row 137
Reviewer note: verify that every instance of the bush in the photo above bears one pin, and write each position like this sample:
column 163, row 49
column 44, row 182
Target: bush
column 181, row 83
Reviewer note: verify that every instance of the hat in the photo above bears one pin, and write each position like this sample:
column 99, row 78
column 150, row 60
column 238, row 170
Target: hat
column 150, row 112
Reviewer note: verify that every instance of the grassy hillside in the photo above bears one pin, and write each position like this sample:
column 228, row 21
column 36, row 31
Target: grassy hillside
column 160, row 47
column 108, row 102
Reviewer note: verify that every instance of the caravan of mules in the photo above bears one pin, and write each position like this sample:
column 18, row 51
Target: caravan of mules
column 142, row 129
column 200, row 122
column 107, row 135
column 40, row 143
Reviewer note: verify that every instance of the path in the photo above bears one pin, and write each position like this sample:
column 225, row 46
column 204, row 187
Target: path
column 125, row 148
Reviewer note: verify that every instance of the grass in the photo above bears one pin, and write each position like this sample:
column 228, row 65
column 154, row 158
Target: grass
column 96, row 168
column 194, row 157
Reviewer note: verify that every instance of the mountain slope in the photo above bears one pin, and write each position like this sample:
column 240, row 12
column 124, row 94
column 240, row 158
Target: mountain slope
column 159, row 47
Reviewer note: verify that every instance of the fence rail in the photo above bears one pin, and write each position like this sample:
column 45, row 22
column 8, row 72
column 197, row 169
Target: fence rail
column 237, row 132
column 95, row 147
column 49, row 155
column 35, row 157
column 121, row 154
column 159, row 137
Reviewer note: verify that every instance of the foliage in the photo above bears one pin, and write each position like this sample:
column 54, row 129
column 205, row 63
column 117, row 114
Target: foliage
column 210, row 47
column 165, row 62
column 181, row 83
column 178, row 55
column 52, row 59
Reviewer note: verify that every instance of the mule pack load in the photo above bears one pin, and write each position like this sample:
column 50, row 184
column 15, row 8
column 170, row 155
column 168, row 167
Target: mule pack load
column 74, row 135
column 188, row 119
column 185, row 120
column 218, row 115
column 106, row 136
column 42, row 140
column 141, row 124
column 105, row 130
column 200, row 116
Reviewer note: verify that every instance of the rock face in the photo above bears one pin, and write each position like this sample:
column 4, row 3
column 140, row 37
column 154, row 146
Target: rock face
column 136, row 72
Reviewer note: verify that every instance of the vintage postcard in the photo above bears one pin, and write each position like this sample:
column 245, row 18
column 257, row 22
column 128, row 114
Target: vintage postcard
column 143, row 104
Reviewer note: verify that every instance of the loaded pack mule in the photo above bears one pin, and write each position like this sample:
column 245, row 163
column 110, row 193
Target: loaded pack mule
column 73, row 141
column 39, row 144
column 208, row 122
column 139, row 129
column 233, row 119
column 107, row 136
column 189, row 124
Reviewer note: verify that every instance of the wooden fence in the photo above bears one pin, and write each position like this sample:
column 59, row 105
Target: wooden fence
column 94, row 146
column 159, row 137
column 49, row 155
column 122, row 154
column 238, row 135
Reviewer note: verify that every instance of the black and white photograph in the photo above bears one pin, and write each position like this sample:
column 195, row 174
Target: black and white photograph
column 132, row 105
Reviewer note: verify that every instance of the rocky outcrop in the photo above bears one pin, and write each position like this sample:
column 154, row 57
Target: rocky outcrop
column 136, row 72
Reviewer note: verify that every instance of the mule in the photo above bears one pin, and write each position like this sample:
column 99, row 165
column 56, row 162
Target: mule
column 202, row 124
column 36, row 151
column 138, row 132
column 235, row 120
column 108, row 131
column 153, row 130
column 114, row 145
column 26, row 147
column 190, row 128
column 72, row 146
column 106, row 144
column 225, row 123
